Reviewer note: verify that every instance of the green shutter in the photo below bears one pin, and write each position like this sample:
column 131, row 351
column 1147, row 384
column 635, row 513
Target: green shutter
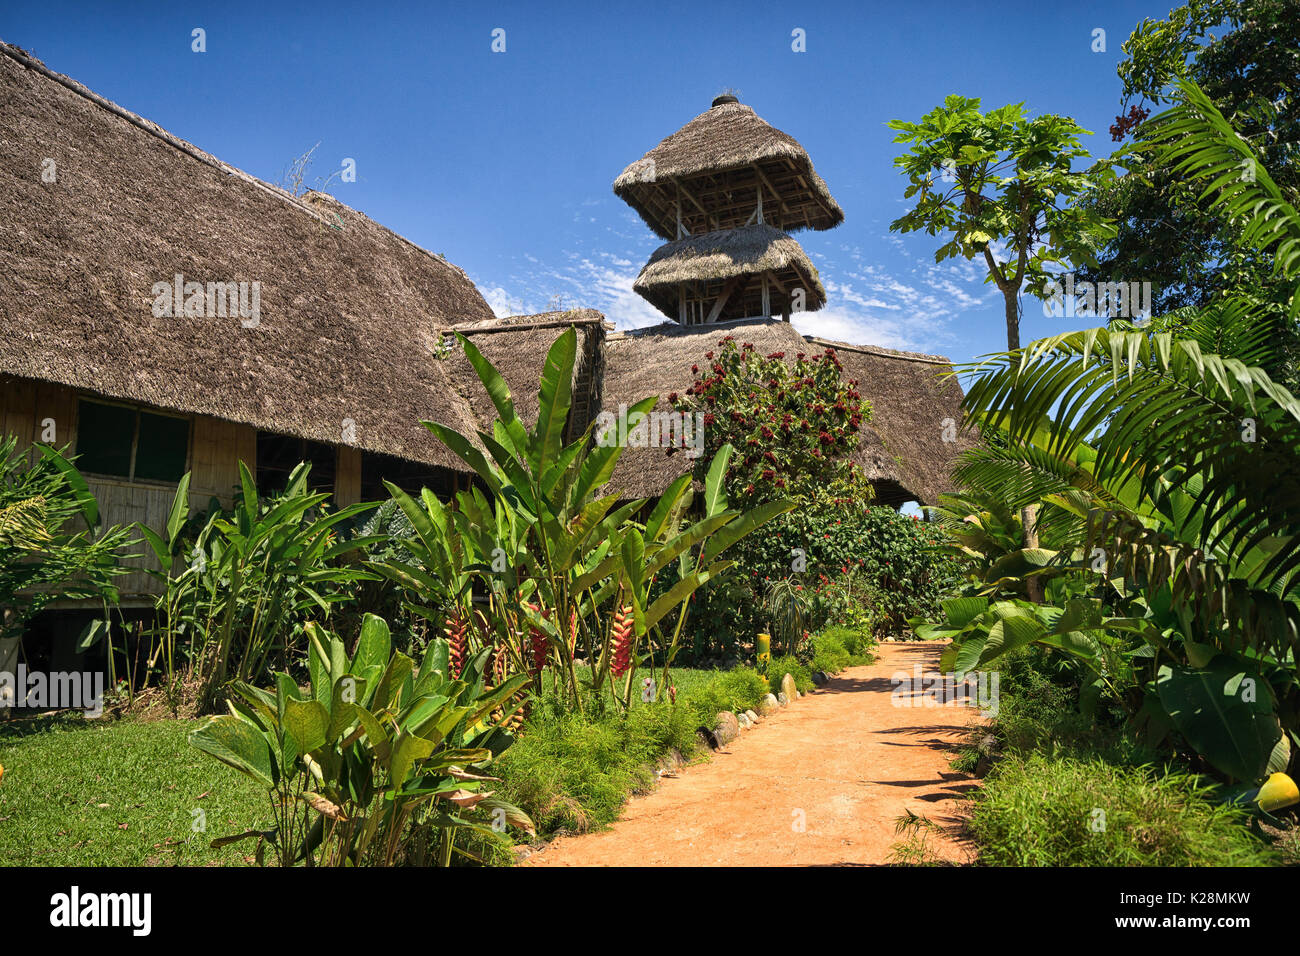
column 104, row 436
column 163, row 448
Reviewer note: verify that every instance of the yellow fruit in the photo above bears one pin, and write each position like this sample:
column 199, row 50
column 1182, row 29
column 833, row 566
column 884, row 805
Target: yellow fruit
column 1278, row 791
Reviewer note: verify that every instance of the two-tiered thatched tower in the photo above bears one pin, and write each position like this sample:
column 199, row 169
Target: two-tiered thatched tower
column 724, row 190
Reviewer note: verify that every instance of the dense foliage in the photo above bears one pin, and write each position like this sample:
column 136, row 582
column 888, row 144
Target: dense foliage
column 51, row 545
column 794, row 426
column 1166, row 478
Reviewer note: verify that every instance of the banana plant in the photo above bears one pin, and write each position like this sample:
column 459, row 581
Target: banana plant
column 552, row 514
column 255, row 575
column 376, row 755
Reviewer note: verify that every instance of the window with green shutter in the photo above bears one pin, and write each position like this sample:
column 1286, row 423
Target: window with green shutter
column 119, row 441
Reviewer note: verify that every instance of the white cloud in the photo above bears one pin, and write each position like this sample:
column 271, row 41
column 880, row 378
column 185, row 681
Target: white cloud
column 916, row 309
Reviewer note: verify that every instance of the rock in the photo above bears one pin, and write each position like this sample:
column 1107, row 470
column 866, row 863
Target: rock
column 726, row 727
column 753, row 717
column 767, row 705
column 788, row 687
column 707, row 738
column 783, row 699
column 745, row 722
column 820, row 679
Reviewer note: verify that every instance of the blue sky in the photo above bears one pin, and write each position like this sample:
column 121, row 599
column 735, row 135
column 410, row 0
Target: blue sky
column 503, row 161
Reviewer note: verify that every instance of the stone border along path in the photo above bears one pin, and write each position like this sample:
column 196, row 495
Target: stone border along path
column 846, row 761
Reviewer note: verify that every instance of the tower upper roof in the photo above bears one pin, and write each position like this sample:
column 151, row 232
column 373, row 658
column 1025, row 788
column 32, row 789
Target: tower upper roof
column 720, row 161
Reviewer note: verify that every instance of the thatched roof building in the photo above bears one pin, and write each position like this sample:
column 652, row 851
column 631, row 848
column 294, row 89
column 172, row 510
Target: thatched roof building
column 904, row 450
column 725, row 154
column 721, row 189
column 706, row 263
column 343, row 350
column 349, row 312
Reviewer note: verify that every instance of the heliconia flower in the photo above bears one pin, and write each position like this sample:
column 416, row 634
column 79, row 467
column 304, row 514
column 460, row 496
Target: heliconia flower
column 538, row 645
column 621, row 634
column 457, row 631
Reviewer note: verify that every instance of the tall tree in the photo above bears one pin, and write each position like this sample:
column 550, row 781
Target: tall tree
column 1005, row 187
column 1245, row 56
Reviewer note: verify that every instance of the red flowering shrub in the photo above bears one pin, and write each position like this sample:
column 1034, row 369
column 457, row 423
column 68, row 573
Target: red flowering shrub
column 795, row 427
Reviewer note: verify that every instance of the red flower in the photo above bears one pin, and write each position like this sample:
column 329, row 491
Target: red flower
column 621, row 632
column 672, row 398
column 457, row 631
column 776, row 355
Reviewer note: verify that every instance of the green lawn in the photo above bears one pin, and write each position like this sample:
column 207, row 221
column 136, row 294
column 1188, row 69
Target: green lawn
column 123, row 793
column 90, row 793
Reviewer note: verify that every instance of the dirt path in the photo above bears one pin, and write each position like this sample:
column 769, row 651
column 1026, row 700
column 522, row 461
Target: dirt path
column 846, row 760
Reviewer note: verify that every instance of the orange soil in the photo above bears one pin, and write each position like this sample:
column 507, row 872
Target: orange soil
column 846, row 760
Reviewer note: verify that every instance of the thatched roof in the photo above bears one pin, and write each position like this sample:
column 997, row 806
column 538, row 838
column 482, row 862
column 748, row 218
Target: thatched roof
column 709, row 259
column 725, row 151
column 902, row 449
column 349, row 312
column 517, row 346
column 912, row 395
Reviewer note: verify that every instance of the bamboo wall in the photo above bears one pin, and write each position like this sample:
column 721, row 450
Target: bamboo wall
column 31, row 409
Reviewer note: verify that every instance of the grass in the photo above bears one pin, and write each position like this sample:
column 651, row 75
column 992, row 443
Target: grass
column 70, row 784
column 1067, row 811
column 123, row 793
column 88, row 793
column 1075, row 790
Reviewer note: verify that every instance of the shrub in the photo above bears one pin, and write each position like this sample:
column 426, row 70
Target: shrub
column 573, row 772
column 1046, row 811
column 739, row 689
column 857, row 643
column 794, row 426
column 866, row 568
column 802, row 673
